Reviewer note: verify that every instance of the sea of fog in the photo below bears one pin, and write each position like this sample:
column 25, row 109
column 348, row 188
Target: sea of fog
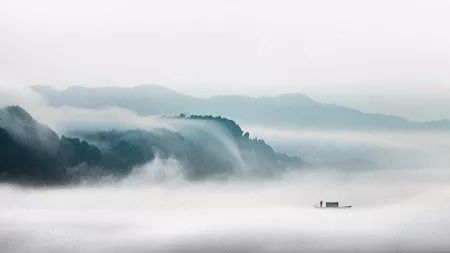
column 397, row 183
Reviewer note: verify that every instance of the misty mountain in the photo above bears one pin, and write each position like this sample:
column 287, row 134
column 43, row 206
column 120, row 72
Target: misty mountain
column 32, row 153
column 292, row 110
column 205, row 147
column 144, row 100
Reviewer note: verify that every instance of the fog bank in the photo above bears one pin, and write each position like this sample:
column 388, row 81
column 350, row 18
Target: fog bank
column 391, row 213
column 355, row 151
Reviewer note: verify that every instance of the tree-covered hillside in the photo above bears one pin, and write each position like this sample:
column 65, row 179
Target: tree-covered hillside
column 33, row 153
column 218, row 148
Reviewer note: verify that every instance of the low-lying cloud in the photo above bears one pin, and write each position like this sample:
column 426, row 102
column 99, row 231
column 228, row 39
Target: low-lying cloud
column 395, row 209
column 361, row 150
column 391, row 212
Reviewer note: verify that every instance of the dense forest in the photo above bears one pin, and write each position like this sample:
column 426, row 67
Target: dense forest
column 32, row 153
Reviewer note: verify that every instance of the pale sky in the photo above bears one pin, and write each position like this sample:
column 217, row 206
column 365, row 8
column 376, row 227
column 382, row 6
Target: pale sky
column 378, row 56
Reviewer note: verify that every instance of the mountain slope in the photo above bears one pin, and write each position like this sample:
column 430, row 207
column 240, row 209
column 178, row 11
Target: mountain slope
column 136, row 99
column 205, row 146
column 296, row 110
column 32, row 153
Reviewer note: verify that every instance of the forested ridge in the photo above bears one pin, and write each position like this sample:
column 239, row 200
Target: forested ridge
column 33, row 153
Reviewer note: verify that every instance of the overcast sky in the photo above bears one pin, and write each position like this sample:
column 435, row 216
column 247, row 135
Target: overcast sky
column 385, row 56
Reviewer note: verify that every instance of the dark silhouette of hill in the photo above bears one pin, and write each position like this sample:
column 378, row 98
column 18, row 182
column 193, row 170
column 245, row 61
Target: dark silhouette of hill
column 296, row 110
column 32, row 153
column 254, row 150
column 201, row 153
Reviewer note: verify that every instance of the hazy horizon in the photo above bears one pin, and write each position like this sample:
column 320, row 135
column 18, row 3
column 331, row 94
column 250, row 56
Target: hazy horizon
column 413, row 106
column 385, row 56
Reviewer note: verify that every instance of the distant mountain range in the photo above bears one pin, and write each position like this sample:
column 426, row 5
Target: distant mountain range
column 32, row 153
column 290, row 110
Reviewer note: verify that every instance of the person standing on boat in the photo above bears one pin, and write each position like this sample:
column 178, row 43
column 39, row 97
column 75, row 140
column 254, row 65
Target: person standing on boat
column 321, row 203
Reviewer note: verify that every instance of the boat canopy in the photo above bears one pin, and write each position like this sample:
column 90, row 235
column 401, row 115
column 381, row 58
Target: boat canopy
column 332, row 204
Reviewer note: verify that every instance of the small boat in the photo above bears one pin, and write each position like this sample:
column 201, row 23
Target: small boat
column 329, row 204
